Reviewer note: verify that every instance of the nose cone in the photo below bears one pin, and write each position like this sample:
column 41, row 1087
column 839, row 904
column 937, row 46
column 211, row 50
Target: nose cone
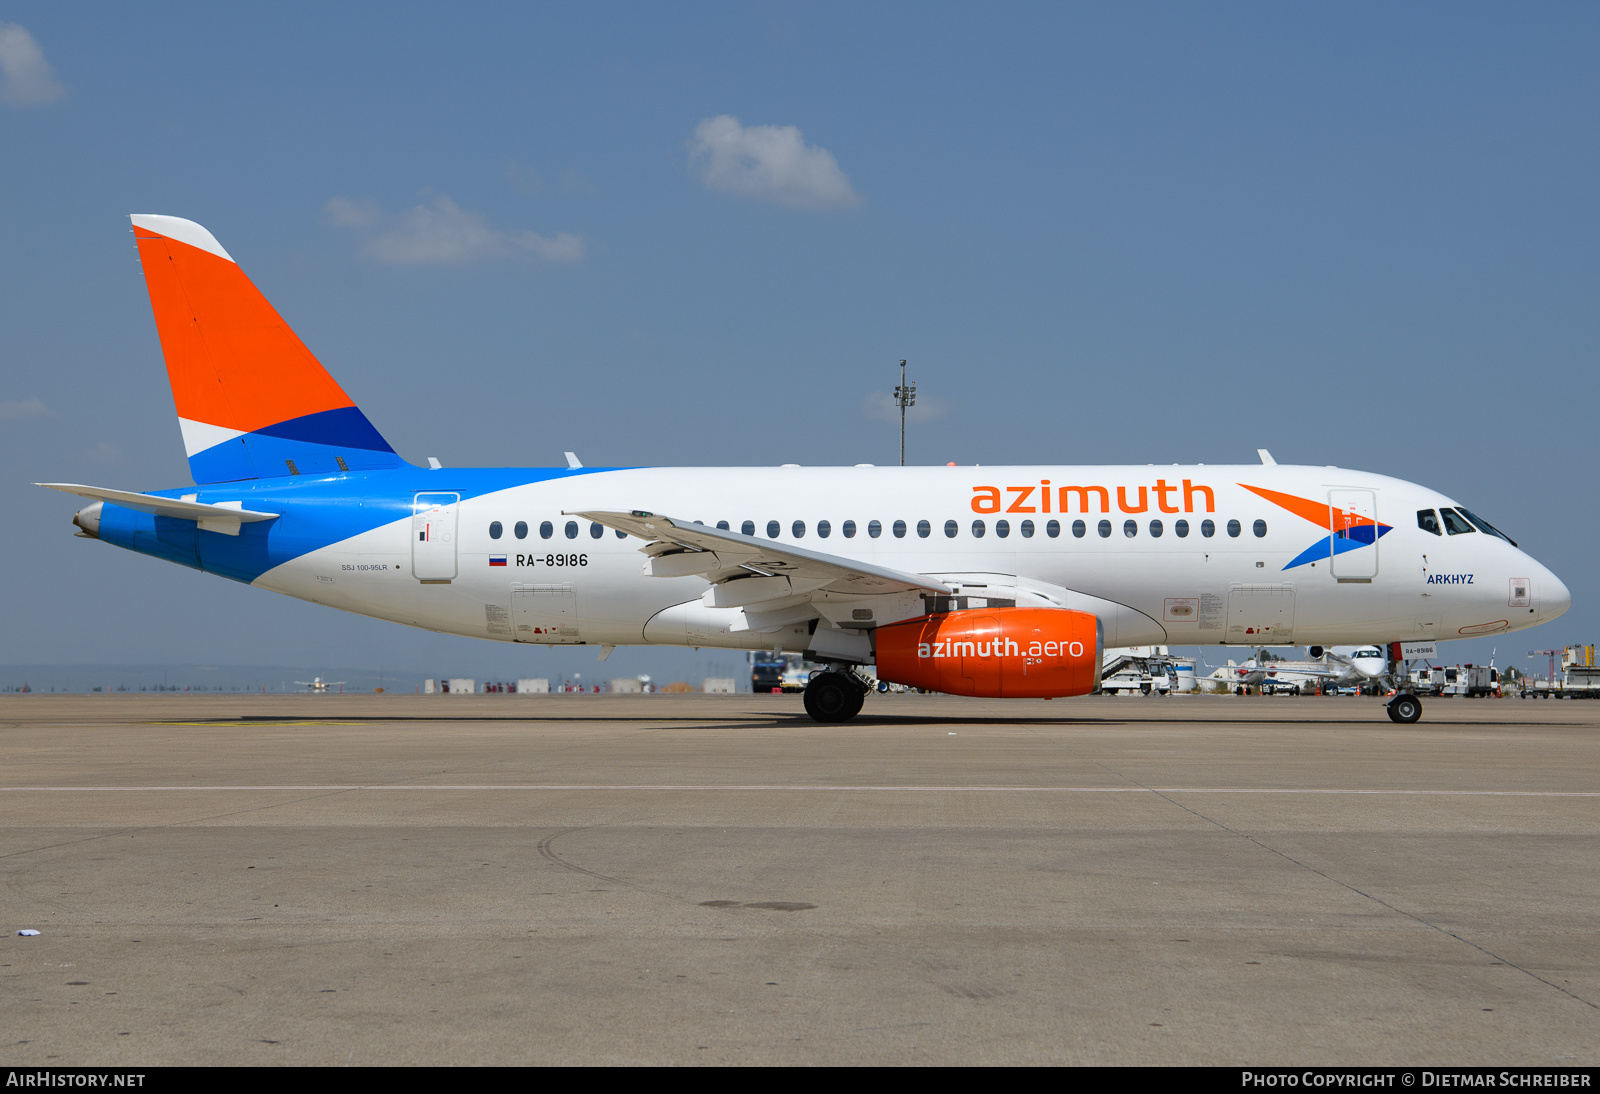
column 1554, row 597
column 88, row 519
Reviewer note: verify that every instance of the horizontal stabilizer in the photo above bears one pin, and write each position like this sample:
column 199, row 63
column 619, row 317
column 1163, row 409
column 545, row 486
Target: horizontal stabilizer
column 224, row 518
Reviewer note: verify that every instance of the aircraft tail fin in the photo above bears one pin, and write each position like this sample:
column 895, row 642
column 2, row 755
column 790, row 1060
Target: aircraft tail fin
column 253, row 403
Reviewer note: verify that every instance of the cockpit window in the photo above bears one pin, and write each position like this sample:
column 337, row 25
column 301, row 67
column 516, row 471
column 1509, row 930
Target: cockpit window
column 1485, row 526
column 1455, row 523
column 1428, row 521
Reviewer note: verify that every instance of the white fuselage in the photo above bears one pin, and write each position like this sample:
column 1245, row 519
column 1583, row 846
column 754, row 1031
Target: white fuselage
column 1189, row 589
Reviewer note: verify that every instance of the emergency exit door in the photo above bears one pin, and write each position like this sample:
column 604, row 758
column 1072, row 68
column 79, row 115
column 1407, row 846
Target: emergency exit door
column 1353, row 526
column 433, row 537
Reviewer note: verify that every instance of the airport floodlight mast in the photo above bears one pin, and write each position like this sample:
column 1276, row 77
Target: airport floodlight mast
column 905, row 395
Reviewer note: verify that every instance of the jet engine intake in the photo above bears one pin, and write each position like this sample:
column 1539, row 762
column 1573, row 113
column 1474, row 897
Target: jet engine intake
column 996, row 653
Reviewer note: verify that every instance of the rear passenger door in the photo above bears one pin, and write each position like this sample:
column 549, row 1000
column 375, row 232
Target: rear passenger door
column 433, row 537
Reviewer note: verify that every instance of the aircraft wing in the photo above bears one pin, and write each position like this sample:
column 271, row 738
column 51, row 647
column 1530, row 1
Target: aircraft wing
column 669, row 540
column 1299, row 668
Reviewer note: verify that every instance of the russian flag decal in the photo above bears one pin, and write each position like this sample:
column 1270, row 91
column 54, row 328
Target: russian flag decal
column 497, row 560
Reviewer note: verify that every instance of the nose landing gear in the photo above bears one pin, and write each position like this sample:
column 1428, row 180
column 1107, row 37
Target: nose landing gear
column 834, row 696
column 1405, row 709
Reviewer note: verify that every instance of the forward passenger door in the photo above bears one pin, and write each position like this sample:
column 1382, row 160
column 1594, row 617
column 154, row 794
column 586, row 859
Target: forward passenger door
column 1353, row 531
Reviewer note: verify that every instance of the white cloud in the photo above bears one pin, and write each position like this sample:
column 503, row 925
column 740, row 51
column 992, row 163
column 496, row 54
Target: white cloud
column 26, row 78
column 14, row 409
column 352, row 214
column 770, row 163
column 439, row 232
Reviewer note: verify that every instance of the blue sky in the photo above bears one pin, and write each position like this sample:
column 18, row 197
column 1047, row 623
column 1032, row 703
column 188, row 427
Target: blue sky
column 1354, row 234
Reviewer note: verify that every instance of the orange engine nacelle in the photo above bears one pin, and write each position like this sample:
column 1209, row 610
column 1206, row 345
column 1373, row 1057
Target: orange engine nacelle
column 998, row 653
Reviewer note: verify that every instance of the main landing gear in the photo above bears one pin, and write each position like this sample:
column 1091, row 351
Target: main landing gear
column 834, row 696
column 1405, row 708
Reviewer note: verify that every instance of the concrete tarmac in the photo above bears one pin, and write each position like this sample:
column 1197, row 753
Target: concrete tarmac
column 718, row 880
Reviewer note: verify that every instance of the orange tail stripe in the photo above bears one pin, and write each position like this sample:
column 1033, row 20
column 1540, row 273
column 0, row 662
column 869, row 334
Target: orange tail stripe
column 232, row 360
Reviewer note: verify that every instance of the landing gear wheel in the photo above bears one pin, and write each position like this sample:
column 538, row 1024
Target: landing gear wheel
column 856, row 704
column 833, row 697
column 1405, row 709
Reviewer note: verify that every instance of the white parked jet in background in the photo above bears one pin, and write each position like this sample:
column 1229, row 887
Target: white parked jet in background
column 318, row 685
column 1345, row 666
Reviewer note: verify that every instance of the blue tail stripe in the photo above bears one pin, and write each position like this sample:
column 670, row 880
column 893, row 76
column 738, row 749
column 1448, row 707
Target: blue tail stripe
column 315, row 443
column 346, row 427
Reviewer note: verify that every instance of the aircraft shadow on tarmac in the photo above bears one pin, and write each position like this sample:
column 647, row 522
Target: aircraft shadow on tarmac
column 798, row 719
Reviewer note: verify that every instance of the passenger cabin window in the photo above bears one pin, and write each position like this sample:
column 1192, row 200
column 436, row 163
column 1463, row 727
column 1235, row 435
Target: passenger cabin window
column 1259, row 528
column 1234, row 529
column 1156, row 529
column 899, row 529
column 849, row 529
column 1428, row 521
column 748, row 528
column 596, row 531
column 1053, row 529
column 546, row 529
column 1208, row 528
column 924, row 529
column 495, row 529
column 521, row 530
column 571, row 529
column 1105, row 529
column 824, row 529
column 1078, row 529
column 874, row 529
column 1455, row 523
column 1130, row 528
column 977, row 529
column 723, row 525
column 1180, row 528
column 1026, row 528
column 950, row 529
column 799, row 529
column 773, row 527
column 1002, row 528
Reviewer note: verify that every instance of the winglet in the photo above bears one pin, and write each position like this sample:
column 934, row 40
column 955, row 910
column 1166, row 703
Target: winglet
column 1266, row 458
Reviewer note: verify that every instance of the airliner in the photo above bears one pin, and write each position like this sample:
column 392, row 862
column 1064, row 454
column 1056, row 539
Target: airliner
column 1001, row 582
column 1342, row 667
